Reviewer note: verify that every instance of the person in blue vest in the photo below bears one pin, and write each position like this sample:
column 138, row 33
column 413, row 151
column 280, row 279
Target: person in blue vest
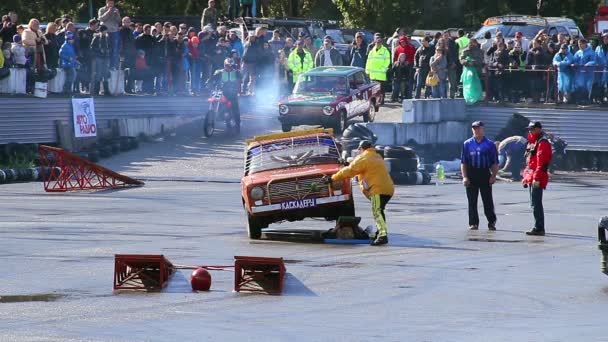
column 479, row 167
column 68, row 58
column 564, row 61
column 601, row 78
column 584, row 59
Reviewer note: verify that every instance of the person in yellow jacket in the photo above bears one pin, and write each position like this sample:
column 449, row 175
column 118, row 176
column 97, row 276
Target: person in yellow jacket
column 375, row 183
column 378, row 62
column 299, row 61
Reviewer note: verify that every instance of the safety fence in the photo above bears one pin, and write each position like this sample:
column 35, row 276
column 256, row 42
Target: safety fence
column 542, row 84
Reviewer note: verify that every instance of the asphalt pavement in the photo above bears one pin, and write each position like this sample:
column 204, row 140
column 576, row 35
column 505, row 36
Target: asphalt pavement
column 435, row 281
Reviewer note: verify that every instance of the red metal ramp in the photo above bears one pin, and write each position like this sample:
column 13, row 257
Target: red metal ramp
column 141, row 272
column 258, row 274
column 64, row 171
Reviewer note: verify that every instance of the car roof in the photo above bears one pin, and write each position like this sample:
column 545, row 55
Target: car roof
column 332, row 71
column 516, row 18
column 557, row 20
column 274, row 137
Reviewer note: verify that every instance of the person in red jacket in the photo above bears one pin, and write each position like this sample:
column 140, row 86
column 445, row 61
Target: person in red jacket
column 409, row 51
column 406, row 48
column 536, row 176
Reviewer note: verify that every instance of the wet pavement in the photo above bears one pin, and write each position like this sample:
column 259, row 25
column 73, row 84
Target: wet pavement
column 435, row 281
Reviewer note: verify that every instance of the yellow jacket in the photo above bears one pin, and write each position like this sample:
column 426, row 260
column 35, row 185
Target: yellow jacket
column 372, row 174
column 378, row 62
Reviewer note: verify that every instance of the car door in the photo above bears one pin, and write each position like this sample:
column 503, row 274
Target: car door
column 365, row 91
column 352, row 106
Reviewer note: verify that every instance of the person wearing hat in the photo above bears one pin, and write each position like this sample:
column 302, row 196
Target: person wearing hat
column 479, row 167
column 519, row 38
column 585, row 60
column 229, row 80
column 67, row 56
column 410, row 52
column 328, row 55
column 378, row 62
column 375, row 183
column 299, row 61
column 18, row 52
column 536, row 175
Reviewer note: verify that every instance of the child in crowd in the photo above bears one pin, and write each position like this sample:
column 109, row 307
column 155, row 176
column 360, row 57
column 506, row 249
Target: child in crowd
column 18, row 52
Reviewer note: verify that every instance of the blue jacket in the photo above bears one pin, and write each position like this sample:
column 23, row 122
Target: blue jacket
column 584, row 76
column 238, row 45
column 565, row 76
column 67, row 55
column 601, row 59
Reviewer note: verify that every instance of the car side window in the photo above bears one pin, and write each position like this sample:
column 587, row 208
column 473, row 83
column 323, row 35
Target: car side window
column 360, row 79
column 552, row 31
column 351, row 82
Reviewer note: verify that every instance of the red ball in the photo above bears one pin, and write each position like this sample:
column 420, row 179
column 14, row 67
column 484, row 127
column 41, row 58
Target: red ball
column 200, row 280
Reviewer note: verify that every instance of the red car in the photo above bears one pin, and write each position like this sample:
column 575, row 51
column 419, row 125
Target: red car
column 329, row 97
column 282, row 180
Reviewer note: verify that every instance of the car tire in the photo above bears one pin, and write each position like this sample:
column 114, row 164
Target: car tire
column 399, row 152
column 286, row 128
column 342, row 123
column 348, row 209
column 403, row 164
column 254, row 227
column 367, row 115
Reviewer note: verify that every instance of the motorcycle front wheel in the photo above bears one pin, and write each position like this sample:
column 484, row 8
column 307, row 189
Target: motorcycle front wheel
column 209, row 124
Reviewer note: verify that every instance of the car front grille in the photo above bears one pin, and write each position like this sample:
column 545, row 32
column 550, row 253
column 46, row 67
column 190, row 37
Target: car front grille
column 296, row 189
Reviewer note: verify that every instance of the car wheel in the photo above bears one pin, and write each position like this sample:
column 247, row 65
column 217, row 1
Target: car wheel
column 370, row 114
column 254, row 227
column 342, row 123
column 286, row 128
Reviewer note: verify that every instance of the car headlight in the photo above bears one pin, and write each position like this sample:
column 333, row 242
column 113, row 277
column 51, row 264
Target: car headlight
column 283, row 109
column 328, row 110
column 257, row 193
column 337, row 185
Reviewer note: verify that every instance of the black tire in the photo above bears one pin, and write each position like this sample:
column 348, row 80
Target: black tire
column 208, row 124
column 400, row 178
column 348, row 209
column 368, row 116
column 342, row 123
column 399, row 152
column 254, row 228
column 358, row 130
column 403, row 164
column 286, row 128
column 380, row 150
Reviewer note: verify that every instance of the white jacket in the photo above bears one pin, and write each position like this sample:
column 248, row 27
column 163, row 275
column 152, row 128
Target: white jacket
column 18, row 52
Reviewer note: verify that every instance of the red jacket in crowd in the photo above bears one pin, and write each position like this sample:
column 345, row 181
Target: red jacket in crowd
column 539, row 155
column 408, row 50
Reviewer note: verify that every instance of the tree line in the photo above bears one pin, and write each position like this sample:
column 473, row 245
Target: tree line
column 376, row 15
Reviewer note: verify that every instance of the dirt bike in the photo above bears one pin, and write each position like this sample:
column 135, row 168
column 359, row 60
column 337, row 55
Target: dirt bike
column 220, row 109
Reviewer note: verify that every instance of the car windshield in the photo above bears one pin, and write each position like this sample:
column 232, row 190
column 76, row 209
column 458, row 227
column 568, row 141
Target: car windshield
column 294, row 152
column 336, row 36
column 308, row 84
column 508, row 31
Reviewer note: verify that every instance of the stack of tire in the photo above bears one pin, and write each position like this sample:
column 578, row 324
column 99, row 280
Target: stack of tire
column 33, row 174
column 105, row 148
column 353, row 135
column 402, row 163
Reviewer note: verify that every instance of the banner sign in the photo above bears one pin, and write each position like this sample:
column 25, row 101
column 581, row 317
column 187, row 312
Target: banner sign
column 83, row 111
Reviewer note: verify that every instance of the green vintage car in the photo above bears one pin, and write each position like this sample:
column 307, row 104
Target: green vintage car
column 329, row 97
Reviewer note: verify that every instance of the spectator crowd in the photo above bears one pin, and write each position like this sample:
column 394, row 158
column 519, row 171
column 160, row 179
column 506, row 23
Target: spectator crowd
column 175, row 59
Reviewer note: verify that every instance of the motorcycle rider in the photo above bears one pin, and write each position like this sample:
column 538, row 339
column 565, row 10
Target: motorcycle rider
column 229, row 79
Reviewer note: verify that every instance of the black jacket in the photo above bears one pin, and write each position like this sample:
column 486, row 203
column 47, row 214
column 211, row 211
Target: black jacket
column 7, row 33
column 422, row 58
column 127, row 42
column 52, row 51
column 85, row 37
column 100, row 46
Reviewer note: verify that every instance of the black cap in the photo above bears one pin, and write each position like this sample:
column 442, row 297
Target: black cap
column 364, row 145
column 477, row 124
column 535, row 124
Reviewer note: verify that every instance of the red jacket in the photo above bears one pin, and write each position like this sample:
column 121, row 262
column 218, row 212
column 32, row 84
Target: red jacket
column 538, row 153
column 408, row 50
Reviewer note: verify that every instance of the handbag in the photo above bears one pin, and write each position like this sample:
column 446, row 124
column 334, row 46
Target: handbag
column 432, row 80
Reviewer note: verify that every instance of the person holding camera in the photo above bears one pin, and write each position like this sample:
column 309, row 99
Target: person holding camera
column 109, row 16
column 8, row 27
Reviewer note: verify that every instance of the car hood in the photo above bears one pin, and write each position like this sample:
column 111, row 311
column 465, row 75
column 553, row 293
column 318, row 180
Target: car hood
column 292, row 172
column 309, row 100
